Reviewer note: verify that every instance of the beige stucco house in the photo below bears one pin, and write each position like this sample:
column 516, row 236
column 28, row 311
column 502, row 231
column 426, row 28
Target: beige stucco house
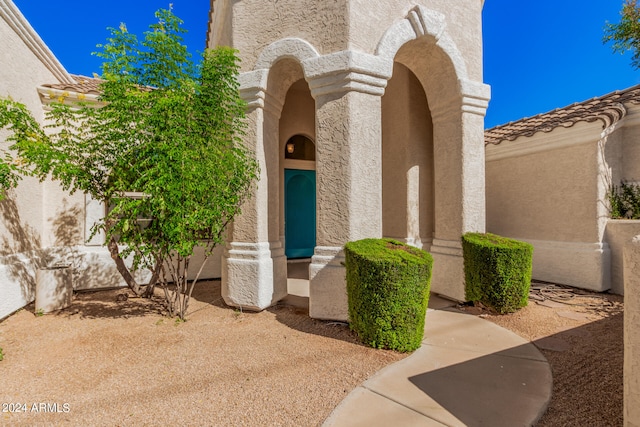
column 548, row 178
column 390, row 95
column 367, row 117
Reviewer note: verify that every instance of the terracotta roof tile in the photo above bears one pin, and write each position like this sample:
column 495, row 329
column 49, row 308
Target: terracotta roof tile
column 82, row 84
column 608, row 108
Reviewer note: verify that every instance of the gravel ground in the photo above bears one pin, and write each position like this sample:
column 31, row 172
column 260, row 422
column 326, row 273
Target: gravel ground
column 103, row 362
column 124, row 364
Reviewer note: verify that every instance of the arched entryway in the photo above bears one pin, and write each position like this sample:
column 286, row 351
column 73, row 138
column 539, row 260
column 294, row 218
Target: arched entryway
column 334, row 98
column 454, row 113
column 407, row 161
column 298, row 176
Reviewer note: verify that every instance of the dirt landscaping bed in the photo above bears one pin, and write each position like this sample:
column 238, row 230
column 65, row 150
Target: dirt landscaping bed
column 118, row 363
column 123, row 363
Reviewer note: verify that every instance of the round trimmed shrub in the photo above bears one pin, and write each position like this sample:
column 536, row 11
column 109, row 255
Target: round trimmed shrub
column 497, row 271
column 388, row 292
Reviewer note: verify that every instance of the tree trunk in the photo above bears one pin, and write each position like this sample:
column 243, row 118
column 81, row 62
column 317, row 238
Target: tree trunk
column 122, row 268
column 148, row 293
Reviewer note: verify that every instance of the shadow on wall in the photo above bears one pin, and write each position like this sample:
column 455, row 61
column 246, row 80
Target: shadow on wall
column 66, row 226
column 92, row 267
column 22, row 251
column 21, row 248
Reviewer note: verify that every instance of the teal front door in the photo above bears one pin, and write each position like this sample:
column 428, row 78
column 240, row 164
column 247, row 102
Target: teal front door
column 299, row 212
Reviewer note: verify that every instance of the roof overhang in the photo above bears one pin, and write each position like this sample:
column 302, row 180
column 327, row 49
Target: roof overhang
column 609, row 109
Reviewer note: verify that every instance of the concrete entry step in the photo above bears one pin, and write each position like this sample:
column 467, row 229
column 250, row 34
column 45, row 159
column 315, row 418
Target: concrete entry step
column 298, row 283
column 298, row 268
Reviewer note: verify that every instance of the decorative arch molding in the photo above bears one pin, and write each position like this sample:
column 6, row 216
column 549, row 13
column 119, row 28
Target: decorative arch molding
column 418, row 23
column 292, row 48
column 254, row 84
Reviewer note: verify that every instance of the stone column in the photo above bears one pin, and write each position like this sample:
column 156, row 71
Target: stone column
column 458, row 128
column 254, row 267
column 347, row 88
column 632, row 333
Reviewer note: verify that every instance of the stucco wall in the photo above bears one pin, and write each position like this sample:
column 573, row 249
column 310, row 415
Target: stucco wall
column 551, row 190
column 322, row 23
column 298, row 114
column 617, row 234
column 631, row 145
column 369, row 20
column 22, row 221
column 16, row 58
column 544, row 189
column 632, row 333
column 407, row 161
column 548, row 195
column 337, row 25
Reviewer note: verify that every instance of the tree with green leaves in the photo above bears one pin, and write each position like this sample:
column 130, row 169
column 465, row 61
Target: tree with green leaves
column 625, row 35
column 162, row 149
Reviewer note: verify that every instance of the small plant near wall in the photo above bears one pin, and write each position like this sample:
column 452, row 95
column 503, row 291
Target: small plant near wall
column 1, row 355
column 497, row 271
column 624, row 201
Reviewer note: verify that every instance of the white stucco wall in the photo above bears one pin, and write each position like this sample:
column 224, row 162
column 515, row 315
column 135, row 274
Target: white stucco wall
column 22, row 221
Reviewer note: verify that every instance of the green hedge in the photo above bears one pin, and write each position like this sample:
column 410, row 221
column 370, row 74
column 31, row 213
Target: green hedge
column 497, row 271
column 388, row 291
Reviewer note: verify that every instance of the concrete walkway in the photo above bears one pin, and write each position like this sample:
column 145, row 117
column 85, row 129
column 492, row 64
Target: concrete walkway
column 468, row 372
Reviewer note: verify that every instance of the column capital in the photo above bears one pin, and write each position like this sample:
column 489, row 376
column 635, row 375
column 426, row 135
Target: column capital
column 347, row 71
column 475, row 96
column 253, row 90
column 472, row 98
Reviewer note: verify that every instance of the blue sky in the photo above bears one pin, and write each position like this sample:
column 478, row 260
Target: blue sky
column 537, row 55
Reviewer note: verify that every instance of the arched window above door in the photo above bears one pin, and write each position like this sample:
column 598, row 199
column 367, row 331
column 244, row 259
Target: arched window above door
column 299, row 147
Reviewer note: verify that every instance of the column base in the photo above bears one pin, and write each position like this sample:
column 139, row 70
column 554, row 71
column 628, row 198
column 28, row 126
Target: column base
column 328, row 285
column 254, row 275
column 448, row 269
